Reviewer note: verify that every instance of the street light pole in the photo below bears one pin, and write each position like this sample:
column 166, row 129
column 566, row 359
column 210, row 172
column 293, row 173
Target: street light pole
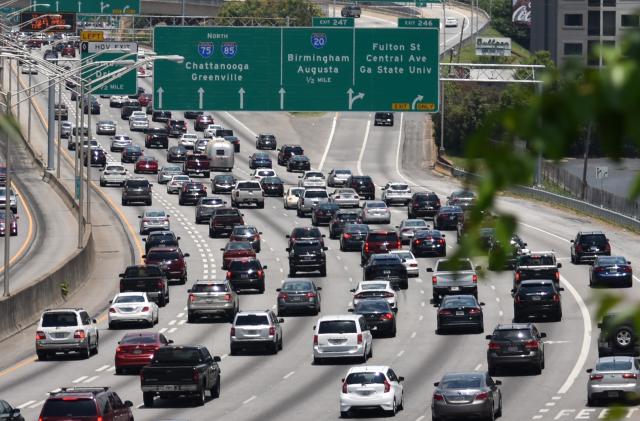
column 52, row 124
column 59, row 126
column 7, row 203
column 29, row 112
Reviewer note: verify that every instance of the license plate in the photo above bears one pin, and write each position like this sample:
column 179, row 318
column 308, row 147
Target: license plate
column 137, row 351
column 512, row 349
column 244, row 276
column 167, row 388
column 209, row 301
column 455, row 288
column 296, row 298
column 459, row 313
column 252, row 332
column 537, row 298
column 386, row 272
column 612, row 394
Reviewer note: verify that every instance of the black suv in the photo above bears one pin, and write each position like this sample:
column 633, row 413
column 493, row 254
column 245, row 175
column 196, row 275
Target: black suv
column 589, row 244
column 516, row 344
column 363, row 185
column 161, row 116
column 266, row 141
column 287, row 151
column 538, row 297
column 136, row 190
column 424, row 205
column 87, row 403
column 537, row 265
column 160, row 239
column 617, row 337
column 307, row 256
column 339, row 220
column 388, row 267
column 383, row 119
column 127, row 110
column 351, row 11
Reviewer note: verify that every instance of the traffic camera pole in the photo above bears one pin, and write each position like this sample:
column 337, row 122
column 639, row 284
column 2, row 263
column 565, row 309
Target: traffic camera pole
column 89, row 155
column 29, row 112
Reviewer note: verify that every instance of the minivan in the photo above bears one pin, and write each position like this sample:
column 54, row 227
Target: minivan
column 342, row 336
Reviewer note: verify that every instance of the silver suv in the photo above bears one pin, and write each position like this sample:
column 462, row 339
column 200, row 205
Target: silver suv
column 66, row 330
column 256, row 328
column 311, row 198
column 212, row 298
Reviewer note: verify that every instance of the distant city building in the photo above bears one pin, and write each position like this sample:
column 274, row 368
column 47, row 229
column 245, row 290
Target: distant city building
column 572, row 29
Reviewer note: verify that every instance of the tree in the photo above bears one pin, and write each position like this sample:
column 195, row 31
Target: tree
column 501, row 12
column 299, row 12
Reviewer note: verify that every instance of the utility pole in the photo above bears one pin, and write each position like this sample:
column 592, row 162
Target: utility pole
column 587, row 146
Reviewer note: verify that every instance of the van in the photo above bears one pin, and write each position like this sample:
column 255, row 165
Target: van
column 221, row 154
column 342, row 336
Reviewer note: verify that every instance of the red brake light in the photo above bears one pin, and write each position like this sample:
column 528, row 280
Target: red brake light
column 441, row 241
column 196, row 376
column 417, row 242
column 346, row 236
column 482, row 396
column 315, row 339
column 227, row 297
column 366, row 247
column 494, row 346
column 556, row 298
column 532, row 344
column 596, row 377
column 629, row 376
column 626, row 269
column 557, row 275
column 228, row 274
column 344, row 387
column 233, row 331
column 399, row 244
column 260, row 273
column 518, row 275
column 434, row 279
column 160, row 285
column 283, row 296
column 438, row 397
column 445, row 312
column 192, row 298
column 311, row 295
column 272, row 331
column 79, row 334
column 388, row 294
column 112, row 310
column 118, row 350
column 386, row 316
column 387, row 386
column 475, row 279
column 359, row 338
column 475, row 311
column 40, row 336
column 145, row 308
column 69, row 398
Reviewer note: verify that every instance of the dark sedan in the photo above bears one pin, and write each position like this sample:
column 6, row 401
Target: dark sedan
column 191, row 192
column 146, row 164
column 177, row 154
column 611, row 271
column 247, row 233
column 260, row 160
column 176, row 127
column 13, row 224
column 378, row 315
column 537, row 298
column 171, row 259
column 460, row 312
column 340, row 220
column 246, row 273
column 266, row 141
column 323, row 213
column 98, row 157
column 298, row 295
column 353, row 236
column 429, row 243
column 160, row 238
column 223, row 183
column 236, row 250
column 447, row 218
column 423, row 205
column 298, row 163
column 272, row 186
column 131, row 154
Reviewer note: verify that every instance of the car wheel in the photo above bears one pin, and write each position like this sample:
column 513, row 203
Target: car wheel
column 499, row 412
column 261, row 205
column 95, row 349
column 592, row 401
column 280, row 344
column 149, row 202
column 292, row 272
column 492, row 414
column 323, row 271
column 42, row 355
column 394, row 409
column 405, row 284
column 119, row 371
column 215, row 390
column 317, row 361
column 163, row 301
column 201, row 398
column 147, row 398
column 102, row 184
column 537, row 369
column 85, row 353
column 624, row 337
column 492, row 369
column 344, row 414
column 124, row 202
column 233, row 350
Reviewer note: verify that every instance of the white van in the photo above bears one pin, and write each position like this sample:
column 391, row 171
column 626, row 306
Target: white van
column 342, row 336
column 221, row 154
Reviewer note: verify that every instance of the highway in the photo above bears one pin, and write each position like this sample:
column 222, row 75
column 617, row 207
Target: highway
column 287, row 385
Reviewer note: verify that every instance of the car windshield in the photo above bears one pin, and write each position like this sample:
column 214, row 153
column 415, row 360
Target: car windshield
column 315, row 194
column 386, row 259
column 398, row 186
column 461, row 382
column 512, row 334
column 251, row 320
column 536, row 260
column 176, row 356
column 450, row 209
column 138, row 339
column 454, row 265
column 59, row 319
column 209, row 288
column 306, row 233
column 464, row 194
column 297, row 286
column 211, row 201
column 373, row 285
column 129, row 299
column 365, row 378
column 416, row 223
column 356, row 228
column 381, row 237
column 244, row 265
column 143, row 272
column 611, row 260
column 114, row 168
column 404, row 255
column 67, row 408
column 373, row 306
column 162, row 255
column 614, row 366
column 244, row 231
column 593, row 239
column 337, row 326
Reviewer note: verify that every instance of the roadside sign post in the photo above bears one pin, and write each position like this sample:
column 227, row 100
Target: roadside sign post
column 297, row 69
column 127, row 84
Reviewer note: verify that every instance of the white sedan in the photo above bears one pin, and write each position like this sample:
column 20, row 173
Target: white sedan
column 395, row 192
column 261, row 173
column 210, row 131
column 376, row 211
column 188, row 140
column 176, row 182
column 375, row 289
column 131, row 307
column 408, row 260
column 451, row 23
column 371, row 387
column 292, row 196
column 345, row 198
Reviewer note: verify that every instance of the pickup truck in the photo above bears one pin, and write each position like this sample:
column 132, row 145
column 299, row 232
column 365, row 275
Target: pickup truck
column 223, row 220
column 537, row 265
column 146, row 278
column 453, row 277
column 197, row 164
column 178, row 372
column 247, row 193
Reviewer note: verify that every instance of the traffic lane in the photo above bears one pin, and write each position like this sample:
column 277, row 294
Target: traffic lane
column 21, row 242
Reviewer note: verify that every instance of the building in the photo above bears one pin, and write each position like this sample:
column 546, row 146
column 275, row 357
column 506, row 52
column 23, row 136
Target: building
column 570, row 29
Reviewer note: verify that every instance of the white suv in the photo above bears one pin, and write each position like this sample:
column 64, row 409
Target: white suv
column 66, row 330
column 311, row 198
column 256, row 328
column 343, row 336
column 372, row 386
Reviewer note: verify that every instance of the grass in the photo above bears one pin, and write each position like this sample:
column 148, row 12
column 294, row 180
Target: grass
column 468, row 53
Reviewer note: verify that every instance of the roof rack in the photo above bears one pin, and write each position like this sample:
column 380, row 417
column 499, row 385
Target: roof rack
column 80, row 389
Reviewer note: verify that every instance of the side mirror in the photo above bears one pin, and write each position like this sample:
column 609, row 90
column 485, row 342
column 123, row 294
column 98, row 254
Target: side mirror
column 401, row 379
column 436, row 384
column 524, row 244
column 189, row 290
column 216, row 359
column 178, row 238
column 170, row 341
column 139, row 216
column 397, row 226
column 222, row 249
column 110, row 301
column 186, row 255
column 478, row 267
column 144, row 256
column 628, row 262
column 599, row 325
column 560, row 289
column 94, row 320
column 513, row 290
column 280, row 320
column 429, row 269
column 573, row 241
column 482, row 304
column 128, row 404
column 443, row 236
column 288, row 249
column 318, row 288
column 264, row 267
column 543, row 335
column 324, row 236
column 489, row 337
column 589, row 370
column 559, row 265
column 278, row 289
column 121, row 275
column 352, row 290
column 351, row 310
column 325, row 248
column 498, row 382
column 259, row 232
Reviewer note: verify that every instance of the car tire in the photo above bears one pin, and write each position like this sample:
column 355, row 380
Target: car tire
column 201, row 398
column 102, row 183
column 323, row 271
column 233, row 350
column 537, row 369
column 124, row 202
column 42, row 355
column 94, row 351
column 405, row 284
column 280, row 344
column 292, row 272
column 558, row 316
column 85, row 353
column 344, row 414
column 592, row 402
column 163, row 301
column 499, row 412
column 215, row 390
column 261, row 205
column 394, row 409
column 147, row 399
column 624, row 337
column 317, row 361
column 492, row 370
column 149, row 202
column 119, row 371
column 191, row 318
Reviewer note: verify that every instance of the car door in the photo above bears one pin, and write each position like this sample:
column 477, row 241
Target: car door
column 395, row 384
column 89, row 327
column 366, row 333
column 119, row 411
column 495, row 392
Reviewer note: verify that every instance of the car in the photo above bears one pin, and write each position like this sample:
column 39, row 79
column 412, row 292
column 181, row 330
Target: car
column 113, row 174
column 292, row 196
column 118, row 101
column 453, row 277
column 156, row 139
column 202, row 121
column 363, row 186
column 423, row 205
column 144, row 99
column 29, row 69
column 408, row 228
column 323, row 213
column 206, row 206
column 234, row 250
column 154, row 220
column 307, row 256
column 261, row 173
column 429, row 243
column 212, row 298
column 466, row 395
column 106, row 127
column 256, row 329
column 211, row 129
column 298, row 295
column 351, row 11
column 192, row 115
column 13, row 224
column 13, row 199
column 287, row 151
column 160, row 238
column 536, row 265
column 388, row 267
column 259, row 160
column 304, row 233
column 95, row 156
column 379, row 316
column 82, row 130
column 345, row 198
column 341, row 337
column 447, row 218
column 176, row 128
column 138, row 123
column 463, row 198
column 136, row 349
column 132, row 307
column 515, row 345
column 379, row 241
column 223, row 183
column 451, row 23
column 175, row 184
column 247, row 274
column 171, row 259
column 247, row 233
column 501, row 257
column 68, row 51
column 191, row 192
column 371, row 387
column 66, row 330
column 161, row 116
column 137, row 190
column 166, row 173
column 617, row 336
column 309, row 199
column 612, row 271
column 396, row 192
column 378, row 289
column 587, row 245
column 246, row 193
column 408, row 260
column 353, row 237
column 61, row 112
column 188, row 140
column 223, row 220
column 460, row 312
column 312, row 180
column 131, row 107
column 146, row 164
column 298, row 163
column 119, row 142
column 338, row 177
column 339, row 220
column 177, row 154
column 266, row 141
column 130, row 154
column 614, row 379
column 383, row 119
column 9, row 413
column 87, row 403
column 65, row 129
column 375, row 211
column 272, row 186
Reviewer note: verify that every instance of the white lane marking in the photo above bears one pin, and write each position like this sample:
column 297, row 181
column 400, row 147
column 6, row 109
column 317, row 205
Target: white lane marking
column 37, row 404
column 501, row 313
column 112, row 368
column 493, row 287
column 418, row 280
column 164, row 329
column 536, row 417
column 401, row 353
column 338, row 257
column 422, row 304
column 326, row 148
column 179, row 315
column 550, row 404
column 420, row 418
column 346, row 269
column 173, row 329
column 364, row 146
column 223, row 356
column 90, row 379
column 281, row 270
column 183, row 321
column 421, row 317
column 79, row 379
column 54, row 391
column 556, row 398
column 350, row 279
column 289, row 374
column 543, row 410
column 251, row 132
column 172, row 322
column 25, row 404
column 413, row 335
column 478, row 367
column 498, row 299
column 277, row 259
column 104, row 367
column 249, row 400
column 422, row 291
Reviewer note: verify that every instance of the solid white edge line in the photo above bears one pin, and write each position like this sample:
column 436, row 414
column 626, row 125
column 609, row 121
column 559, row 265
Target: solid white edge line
column 362, row 149
column 241, row 123
column 329, row 142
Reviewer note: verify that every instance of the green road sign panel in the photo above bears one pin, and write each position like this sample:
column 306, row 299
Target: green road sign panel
column 126, row 84
column 322, row 21
column 297, row 69
column 418, row 23
column 108, row 7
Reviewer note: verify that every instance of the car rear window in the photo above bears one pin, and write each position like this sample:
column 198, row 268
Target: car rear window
column 249, row 185
column 337, row 326
column 155, row 214
column 244, row 231
column 162, row 255
column 143, row 272
column 239, row 245
column 612, row 260
column 69, row 408
column 365, row 378
column 306, row 233
column 239, row 265
column 349, row 216
column 297, row 286
column 356, row 228
column 458, row 302
column 536, row 260
column 466, row 382
column 138, row 339
column 59, row 319
column 176, row 356
column 593, row 239
column 161, row 237
column 512, row 334
column 294, row 150
column 209, row 288
column 129, row 299
column 251, row 320
column 137, row 183
column 614, row 366
column 454, row 265
column 390, row 236
column 315, row 193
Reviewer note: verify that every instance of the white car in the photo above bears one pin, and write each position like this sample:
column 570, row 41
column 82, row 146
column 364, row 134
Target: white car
column 342, row 336
column 375, row 289
column 408, row 227
column 175, row 184
column 371, row 387
column 408, row 260
column 135, row 114
column 128, row 307
column 260, row 173
column 138, row 123
column 338, row 177
column 376, row 211
column 292, row 196
column 113, row 174
column 345, row 198
column 210, row 131
column 394, row 192
column 451, row 23
column 188, row 140
column 312, row 179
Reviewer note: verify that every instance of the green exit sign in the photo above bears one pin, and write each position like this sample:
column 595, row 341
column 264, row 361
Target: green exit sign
column 418, row 23
column 127, row 84
column 342, row 22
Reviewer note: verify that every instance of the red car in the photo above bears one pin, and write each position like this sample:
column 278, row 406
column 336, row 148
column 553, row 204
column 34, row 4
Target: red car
column 13, row 224
column 379, row 241
column 135, row 350
column 235, row 250
column 145, row 99
column 171, row 259
column 202, row 121
column 68, row 51
column 146, row 164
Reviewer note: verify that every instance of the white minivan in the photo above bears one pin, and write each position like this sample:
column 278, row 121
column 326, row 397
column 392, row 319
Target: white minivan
column 342, row 336
column 221, row 154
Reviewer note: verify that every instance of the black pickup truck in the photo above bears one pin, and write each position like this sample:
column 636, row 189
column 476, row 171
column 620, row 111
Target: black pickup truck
column 538, row 265
column 223, row 220
column 181, row 372
column 197, row 164
column 146, row 278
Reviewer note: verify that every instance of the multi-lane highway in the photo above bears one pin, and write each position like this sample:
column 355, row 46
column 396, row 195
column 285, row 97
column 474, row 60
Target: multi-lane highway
column 288, row 385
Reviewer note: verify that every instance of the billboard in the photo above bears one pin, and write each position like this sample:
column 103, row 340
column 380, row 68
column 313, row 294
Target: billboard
column 40, row 22
column 490, row 46
column 521, row 12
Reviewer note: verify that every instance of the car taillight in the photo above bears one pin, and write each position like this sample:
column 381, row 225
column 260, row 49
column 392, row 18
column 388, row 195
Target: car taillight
column 607, row 248
column 260, row 273
column 475, row 279
column 366, row 247
column 118, row 349
column 160, row 285
column 145, row 308
column 79, row 334
column 416, row 205
column 386, row 316
column 482, row 396
column 399, row 244
column 629, row 376
column 346, row 236
column 233, row 331
column 145, row 219
column 272, row 331
column 40, row 336
column 517, row 299
column 626, row 269
column 228, row 274
column 283, row 296
column 311, row 295
column 518, row 275
column 417, row 242
column 388, row 294
column 578, row 248
column 344, row 387
column 192, row 298
column 596, row 377
column 557, row 276
column 445, row 312
column 315, row 339
column 438, row 397
column 494, row 346
column 196, row 376
column 112, row 310
column 359, row 338
column 434, row 279
column 441, row 241
column 532, row 344
column 227, row 297
column 556, row 298
column 387, row 386
column 474, row 311
column 358, row 296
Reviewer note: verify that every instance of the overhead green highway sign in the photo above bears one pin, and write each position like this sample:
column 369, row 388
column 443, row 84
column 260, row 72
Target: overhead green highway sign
column 322, row 21
column 126, row 84
column 108, row 7
column 418, row 23
column 297, row 69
